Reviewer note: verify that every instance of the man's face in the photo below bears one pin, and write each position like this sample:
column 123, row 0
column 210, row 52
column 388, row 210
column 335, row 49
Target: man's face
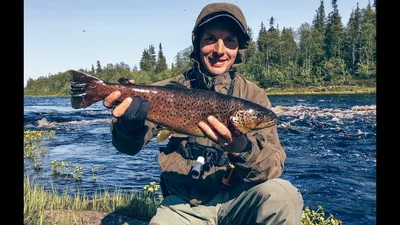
column 218, row 47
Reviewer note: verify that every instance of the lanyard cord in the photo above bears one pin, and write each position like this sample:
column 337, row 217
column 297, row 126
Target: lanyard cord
column 209, row 82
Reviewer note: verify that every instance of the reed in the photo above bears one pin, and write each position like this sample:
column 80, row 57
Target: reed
column 50, row 207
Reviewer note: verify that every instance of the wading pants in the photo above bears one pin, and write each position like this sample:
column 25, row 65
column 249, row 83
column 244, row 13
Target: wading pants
column 273, row 202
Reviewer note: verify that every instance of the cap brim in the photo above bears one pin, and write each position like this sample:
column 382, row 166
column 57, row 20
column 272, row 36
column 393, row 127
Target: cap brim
column 223, row 15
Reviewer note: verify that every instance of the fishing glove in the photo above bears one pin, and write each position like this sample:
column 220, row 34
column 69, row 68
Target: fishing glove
column 132, row 121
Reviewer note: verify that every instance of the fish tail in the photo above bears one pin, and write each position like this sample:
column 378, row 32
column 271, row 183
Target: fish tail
column 83, row 89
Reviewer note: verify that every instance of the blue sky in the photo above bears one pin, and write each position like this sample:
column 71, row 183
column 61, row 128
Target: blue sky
column 116, row 31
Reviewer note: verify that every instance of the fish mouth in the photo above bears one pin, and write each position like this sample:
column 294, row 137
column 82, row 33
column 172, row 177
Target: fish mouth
column 268, row 124
column 272, row 122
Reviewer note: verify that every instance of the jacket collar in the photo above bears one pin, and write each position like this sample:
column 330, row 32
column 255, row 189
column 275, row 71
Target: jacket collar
column 220, row 83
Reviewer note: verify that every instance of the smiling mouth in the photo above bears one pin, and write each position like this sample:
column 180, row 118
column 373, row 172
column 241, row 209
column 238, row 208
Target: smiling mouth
column 217, row 61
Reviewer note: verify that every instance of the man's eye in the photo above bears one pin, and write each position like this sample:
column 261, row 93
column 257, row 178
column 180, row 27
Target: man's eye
column 210, row 39
column 231, row 40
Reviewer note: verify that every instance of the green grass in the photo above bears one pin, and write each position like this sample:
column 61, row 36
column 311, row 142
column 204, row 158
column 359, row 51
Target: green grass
column 50, row 207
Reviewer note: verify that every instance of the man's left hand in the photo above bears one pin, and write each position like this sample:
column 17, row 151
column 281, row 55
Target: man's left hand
column 221, row 135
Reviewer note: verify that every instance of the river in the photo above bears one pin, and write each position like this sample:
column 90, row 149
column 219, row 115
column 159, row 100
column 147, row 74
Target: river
column 330, row 142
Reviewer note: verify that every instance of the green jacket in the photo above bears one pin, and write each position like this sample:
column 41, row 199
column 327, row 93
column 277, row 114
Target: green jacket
column 264, row 161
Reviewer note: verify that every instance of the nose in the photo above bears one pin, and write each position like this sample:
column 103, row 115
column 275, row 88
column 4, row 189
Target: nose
column 219, row 47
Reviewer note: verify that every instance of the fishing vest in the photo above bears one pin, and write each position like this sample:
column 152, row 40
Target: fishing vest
column 178, row 157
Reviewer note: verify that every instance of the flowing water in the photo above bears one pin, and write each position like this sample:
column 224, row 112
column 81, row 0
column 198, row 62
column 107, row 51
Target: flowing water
column 330, row 142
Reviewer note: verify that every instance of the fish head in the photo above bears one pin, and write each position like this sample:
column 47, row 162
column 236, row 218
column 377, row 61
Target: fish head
column 246, row 120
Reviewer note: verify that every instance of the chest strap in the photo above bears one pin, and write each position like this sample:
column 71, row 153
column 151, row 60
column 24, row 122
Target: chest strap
column 213, row 155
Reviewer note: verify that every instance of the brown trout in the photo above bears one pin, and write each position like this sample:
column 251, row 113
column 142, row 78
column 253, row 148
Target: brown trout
column 175, row 107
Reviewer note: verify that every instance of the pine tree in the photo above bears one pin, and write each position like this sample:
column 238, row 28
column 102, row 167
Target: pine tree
column 306, row 52
column 92, row 70
column 98, row 67
column 317, row 36
column 261, row 40
column 353, row 39
column 161, row 61
column 319, row 21
column 334, row 33
column 145, row 62
column 367, row 66
column 153, row 57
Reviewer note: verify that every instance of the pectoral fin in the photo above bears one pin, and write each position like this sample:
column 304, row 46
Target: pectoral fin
column 163, row 135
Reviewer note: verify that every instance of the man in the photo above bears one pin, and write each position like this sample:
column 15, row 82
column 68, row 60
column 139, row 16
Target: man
column 240, row 185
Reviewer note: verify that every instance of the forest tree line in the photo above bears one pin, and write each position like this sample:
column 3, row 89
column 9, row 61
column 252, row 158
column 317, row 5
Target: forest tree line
column 325, row 52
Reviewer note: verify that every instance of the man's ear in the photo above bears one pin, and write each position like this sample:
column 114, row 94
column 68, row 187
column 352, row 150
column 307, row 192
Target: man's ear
column 239, row 56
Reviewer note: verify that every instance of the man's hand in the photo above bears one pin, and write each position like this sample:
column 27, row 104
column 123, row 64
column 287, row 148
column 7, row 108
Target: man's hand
column 130, row 114
column 220, row 134
column 120, row 108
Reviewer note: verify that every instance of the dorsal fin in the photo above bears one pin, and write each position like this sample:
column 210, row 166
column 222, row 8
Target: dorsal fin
column 176, row 84
column 124, row 80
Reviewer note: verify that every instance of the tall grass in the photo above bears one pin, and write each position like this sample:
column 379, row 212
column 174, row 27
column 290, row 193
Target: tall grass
column 47, row 207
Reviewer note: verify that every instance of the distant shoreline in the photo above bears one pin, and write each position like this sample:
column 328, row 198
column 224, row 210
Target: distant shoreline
column 294, row 91
column 322, row 90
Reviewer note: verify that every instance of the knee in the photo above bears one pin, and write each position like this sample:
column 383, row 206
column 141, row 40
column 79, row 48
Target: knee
column 281, row 202
column 281, row 192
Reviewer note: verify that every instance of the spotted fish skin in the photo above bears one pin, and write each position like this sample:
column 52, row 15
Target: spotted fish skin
column 177, row 108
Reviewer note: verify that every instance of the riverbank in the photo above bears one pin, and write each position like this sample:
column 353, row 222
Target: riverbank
column 349, row 89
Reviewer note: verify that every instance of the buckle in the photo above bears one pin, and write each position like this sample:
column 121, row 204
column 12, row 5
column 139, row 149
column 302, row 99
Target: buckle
column 187, row 153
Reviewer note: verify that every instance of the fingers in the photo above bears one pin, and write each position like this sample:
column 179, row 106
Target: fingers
column 221, row 135
column 217, row 131
column 119, row 110
column 208, row 131
column 220, row 128
column 111, row 98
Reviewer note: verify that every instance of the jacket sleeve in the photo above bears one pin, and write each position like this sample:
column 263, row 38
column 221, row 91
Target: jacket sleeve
column 132, row 144
column 264, row 157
